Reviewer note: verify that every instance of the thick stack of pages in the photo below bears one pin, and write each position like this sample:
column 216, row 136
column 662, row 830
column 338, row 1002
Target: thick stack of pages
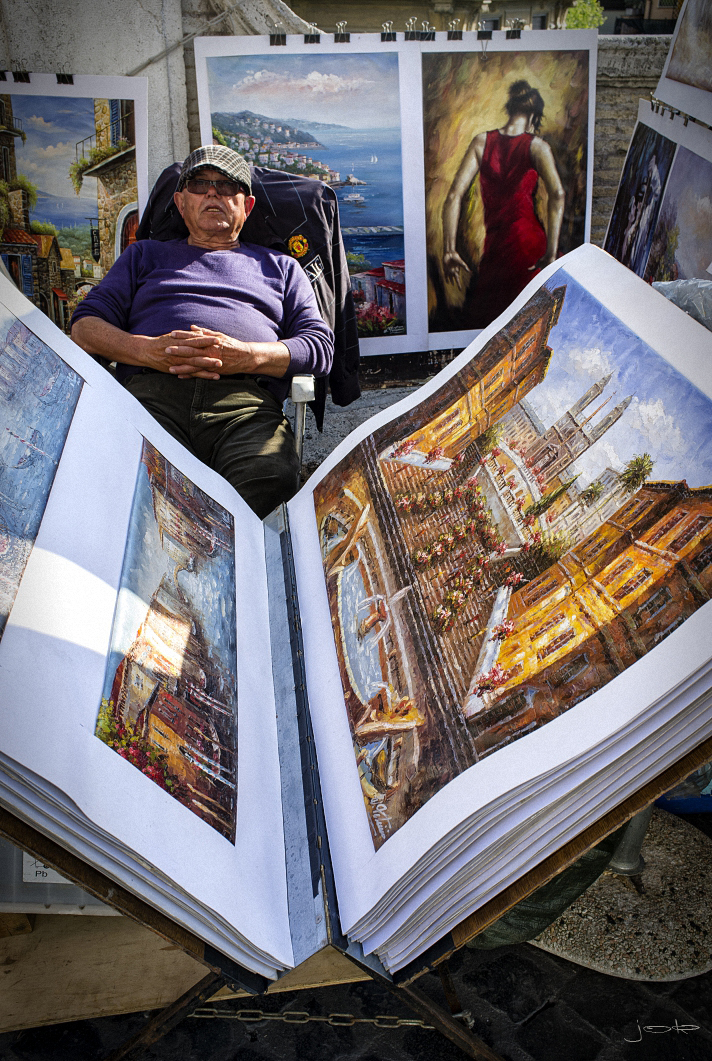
column 517, row 565
column 504, row 587
column 132, row 627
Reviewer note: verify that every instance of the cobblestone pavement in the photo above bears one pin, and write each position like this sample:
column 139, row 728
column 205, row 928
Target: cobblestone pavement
column 527, row 1005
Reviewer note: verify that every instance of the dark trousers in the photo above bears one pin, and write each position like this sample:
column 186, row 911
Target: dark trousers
column 233, row 425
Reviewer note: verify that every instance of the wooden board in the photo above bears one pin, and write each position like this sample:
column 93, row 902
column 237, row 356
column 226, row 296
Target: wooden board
column 327, row 967
column 74, row 968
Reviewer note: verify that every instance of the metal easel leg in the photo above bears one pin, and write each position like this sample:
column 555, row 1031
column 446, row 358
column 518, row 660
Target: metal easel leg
column 444, row 1022
column 627, row 860
column 167, row 1018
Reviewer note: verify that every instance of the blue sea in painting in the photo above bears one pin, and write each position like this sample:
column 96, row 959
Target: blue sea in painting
column 373, row 156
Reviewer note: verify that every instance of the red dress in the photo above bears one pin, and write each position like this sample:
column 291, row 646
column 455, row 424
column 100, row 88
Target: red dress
column 515, row 238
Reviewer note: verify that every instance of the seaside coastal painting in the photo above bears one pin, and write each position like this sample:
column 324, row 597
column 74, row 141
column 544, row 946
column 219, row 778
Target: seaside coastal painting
column 169, row 705
column 69, row 202
column 38, row 397
column 334, row 117
column 509, row 545
column 506, row 145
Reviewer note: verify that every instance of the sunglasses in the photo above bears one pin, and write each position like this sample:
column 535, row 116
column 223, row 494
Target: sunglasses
column 200, row 185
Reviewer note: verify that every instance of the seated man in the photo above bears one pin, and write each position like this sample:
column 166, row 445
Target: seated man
column 207, row 332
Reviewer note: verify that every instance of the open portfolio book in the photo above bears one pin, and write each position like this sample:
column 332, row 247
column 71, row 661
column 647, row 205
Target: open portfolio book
column 503, row 586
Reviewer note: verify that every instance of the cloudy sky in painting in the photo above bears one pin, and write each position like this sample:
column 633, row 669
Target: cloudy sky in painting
column 53, row 126
column 667, row 417
column 358, row 91
column 688, row 199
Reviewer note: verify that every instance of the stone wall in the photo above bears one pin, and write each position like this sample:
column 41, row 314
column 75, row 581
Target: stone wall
column 116, row 188
column 628, row 70
column 106, row 37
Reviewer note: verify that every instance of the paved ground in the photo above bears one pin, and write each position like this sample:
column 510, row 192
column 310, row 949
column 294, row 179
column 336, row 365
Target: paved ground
column 527, row 1005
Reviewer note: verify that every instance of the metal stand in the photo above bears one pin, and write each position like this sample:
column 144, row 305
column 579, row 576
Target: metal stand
column 438, row 1019
column 627, row 860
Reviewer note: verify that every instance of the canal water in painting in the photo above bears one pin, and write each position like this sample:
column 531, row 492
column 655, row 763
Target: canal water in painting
column 38, row 396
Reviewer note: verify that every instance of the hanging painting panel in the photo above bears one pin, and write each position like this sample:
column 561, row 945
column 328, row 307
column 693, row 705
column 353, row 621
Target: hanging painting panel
column 661, row 224
column 508, row 159
column 73, row 159
column 686, row 80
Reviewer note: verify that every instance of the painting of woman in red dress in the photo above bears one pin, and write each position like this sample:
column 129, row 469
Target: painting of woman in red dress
column 510, row 162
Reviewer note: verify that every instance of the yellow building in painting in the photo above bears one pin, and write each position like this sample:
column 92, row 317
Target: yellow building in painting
column 604, row 605
column 508, row 367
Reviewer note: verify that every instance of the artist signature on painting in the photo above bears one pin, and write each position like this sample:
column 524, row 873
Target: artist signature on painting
column 662, row 1029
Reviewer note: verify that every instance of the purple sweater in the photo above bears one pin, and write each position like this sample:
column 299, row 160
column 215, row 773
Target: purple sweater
column 250, row 293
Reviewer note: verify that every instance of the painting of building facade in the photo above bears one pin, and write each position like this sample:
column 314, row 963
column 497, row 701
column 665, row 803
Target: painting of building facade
column 38, row 396
column 170, row 695
column 506, row 147
column 511, row 544
column 335, row 118
column 71, row 205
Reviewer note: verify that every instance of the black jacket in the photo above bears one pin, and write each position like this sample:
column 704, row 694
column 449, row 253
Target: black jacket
column 300, row 217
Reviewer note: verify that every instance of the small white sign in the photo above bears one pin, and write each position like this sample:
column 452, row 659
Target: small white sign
column 35, row 872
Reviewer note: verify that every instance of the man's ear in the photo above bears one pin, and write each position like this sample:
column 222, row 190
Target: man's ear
column 178, row 200
column 249, row 203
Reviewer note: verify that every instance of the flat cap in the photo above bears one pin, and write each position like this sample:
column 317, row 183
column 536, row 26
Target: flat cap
column 216, row 156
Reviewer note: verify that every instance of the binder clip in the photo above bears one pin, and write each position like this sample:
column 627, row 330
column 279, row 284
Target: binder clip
column 21, row 77
column 427, row 32
column 313, row 36
column 453, row 33
column 411, row 33
column 484, row 36
column 341, row 36
column 387, row 33
column 516, row 25
column 3, row 75
column 278, row 37
column 63, row 78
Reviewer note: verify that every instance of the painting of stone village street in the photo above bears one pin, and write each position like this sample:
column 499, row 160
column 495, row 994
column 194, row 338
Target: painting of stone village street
column 334, row 118
column 68, row 194
column 170, row 693
column 510, row 545
column 38, row 396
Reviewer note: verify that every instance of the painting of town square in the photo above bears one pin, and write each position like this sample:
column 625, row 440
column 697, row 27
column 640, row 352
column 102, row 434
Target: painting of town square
column 38, row 396
column 506, row 147
column 681, row 247
column 508, row 546
column 639, row 197
column 170, row 694
column 335, row 118
column 68, row 194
